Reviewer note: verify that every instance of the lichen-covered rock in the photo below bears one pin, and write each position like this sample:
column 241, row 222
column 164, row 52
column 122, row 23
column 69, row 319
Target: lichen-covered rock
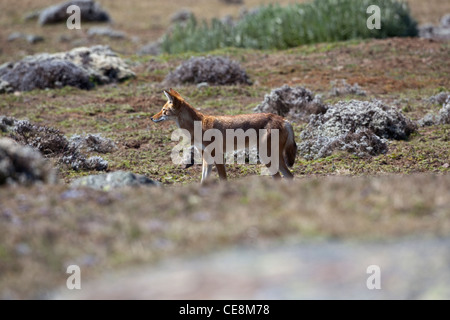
column 215, row 70
column 443, row 117
column 444, row 113
column 5, row 87
column 113, row 180
column 52, row 143
column 49, row 141
column 23, row 165
column 342, row 88
column 297, row 102
column 440, row 32
column 428, row 120
column 92, row 142
column 89, row 11
column 80, row 67
column 356, row 126
column 439, row 98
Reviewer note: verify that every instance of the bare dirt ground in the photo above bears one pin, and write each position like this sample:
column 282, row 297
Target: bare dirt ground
column 403, row 193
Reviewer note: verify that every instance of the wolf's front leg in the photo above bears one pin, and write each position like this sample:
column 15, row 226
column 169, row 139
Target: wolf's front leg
column 206, row 170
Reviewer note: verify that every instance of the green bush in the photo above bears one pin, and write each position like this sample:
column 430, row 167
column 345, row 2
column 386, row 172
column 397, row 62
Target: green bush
column 276, row 27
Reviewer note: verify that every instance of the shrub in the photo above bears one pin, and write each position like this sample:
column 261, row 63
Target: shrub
column 279, row 27
column 214, row 70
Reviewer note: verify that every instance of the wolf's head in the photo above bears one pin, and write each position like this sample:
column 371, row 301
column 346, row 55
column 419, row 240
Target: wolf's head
column 171, row 108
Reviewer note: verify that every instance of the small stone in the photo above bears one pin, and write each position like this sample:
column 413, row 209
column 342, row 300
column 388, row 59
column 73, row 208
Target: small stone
column 15, row 36
column 33, row 39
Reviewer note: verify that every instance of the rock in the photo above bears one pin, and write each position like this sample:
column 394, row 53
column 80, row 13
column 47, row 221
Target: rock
column 181, row 16
column 64, row 38
column 23, row 165
column 298, row 102
column 444, row 113
column 428, row 120
column 439, row 98
column 445, row 21
column 80, row 67
column 106, row 32
column 113, row 180
column 52, row 143
column 426, row 31
column 443, row 117
column 215, row 70
column 152, row 48
column 440, row 32
column 92, row 142
column 15, row 36
column 202, row 85
column 90, row 11
column 7, row 124
column 33, row 15
column 5, row 87
column 360, row 127
column 342, row 88
column 32, row 38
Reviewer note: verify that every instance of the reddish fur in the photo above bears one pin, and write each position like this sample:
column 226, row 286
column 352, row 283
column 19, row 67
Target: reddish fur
column 185, row 116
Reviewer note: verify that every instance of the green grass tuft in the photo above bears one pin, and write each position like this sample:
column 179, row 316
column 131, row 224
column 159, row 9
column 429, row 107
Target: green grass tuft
column 276, row 27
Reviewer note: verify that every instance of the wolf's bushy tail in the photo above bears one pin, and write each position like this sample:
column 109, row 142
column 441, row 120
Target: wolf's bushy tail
column 290, row 148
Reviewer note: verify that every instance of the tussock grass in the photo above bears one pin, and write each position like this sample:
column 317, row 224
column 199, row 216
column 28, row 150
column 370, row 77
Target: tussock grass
column 276, row 27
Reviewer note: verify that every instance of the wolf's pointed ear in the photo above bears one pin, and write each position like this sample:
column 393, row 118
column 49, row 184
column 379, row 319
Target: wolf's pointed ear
column 168, row 96
column 175, row 94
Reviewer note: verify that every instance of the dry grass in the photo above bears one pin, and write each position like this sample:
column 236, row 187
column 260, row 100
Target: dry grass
column 45, row 229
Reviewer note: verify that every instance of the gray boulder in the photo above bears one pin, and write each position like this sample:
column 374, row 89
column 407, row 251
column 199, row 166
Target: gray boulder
column 80, row 67
column 113, row 180
column 298, row 102
column 23, row 165
column 90, row 11
column 360, row 127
